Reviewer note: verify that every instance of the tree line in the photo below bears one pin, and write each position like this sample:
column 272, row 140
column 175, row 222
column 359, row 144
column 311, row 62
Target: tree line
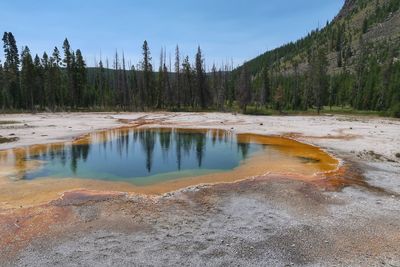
column 62, row 81
column 353, row 69
column 371, row 83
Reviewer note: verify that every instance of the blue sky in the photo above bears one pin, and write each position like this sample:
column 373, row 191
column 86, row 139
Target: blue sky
column 226, row 30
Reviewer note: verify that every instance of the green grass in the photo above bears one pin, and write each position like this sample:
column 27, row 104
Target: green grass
column 7, row 139
column 351, row 111
column 261, row 111
column 252, row 110
column 8, row 122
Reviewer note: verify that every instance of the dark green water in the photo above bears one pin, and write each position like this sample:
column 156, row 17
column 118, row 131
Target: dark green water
column 144, row 156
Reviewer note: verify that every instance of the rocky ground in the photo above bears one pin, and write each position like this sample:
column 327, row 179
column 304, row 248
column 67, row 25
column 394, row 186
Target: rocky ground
column 272, row 221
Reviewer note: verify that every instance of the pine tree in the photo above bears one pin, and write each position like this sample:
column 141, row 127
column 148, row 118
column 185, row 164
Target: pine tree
column 214, row 83
column 148, row 92
column 279, row 97
column 221, row 89
column 165, row 96
column 360, row 70
column 109, row 85
column 296, row 92
column 117, row 81
column 266, row 96
column 125, row 90
column 177, row 84
column 38, row 83
column 13, row 98
column 243, row 89
column 394, row 90
column 80, row 78
column 226, row 88
column 202, row 90
column 27, row 78
column 318, row 76
column 47, row 83
column 161, row 83
column 133, row 83
column 68, row 65
column 56, row 78
column 2, row 94
column 103, row 91
column 187, row 83
column 74, row 98
column 168, row 87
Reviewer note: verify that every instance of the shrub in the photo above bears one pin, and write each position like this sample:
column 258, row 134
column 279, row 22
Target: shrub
column 395, row 110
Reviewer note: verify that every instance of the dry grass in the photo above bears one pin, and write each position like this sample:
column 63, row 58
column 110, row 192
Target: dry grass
column 8, row 122
column 8, row 139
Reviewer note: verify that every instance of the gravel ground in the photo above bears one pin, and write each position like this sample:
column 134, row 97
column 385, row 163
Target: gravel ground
column 260, row 222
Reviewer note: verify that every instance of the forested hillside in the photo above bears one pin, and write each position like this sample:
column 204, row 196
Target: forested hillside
column 353, row 62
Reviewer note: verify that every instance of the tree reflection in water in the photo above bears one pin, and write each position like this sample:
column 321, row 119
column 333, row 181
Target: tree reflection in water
column 129, row 153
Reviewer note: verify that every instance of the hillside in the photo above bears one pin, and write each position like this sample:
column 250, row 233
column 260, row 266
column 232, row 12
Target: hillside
column 358, row 20
column 353, row 61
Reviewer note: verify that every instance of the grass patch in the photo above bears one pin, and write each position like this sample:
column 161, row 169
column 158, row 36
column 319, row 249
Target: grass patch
column 8, row 122
column 8, row 139
column 252, row 110
column 351, row 111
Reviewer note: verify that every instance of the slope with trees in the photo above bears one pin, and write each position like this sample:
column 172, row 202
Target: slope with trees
column 354, row 61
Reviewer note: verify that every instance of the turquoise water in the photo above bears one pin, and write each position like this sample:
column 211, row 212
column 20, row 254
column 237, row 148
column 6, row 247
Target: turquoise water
column 144, row 156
